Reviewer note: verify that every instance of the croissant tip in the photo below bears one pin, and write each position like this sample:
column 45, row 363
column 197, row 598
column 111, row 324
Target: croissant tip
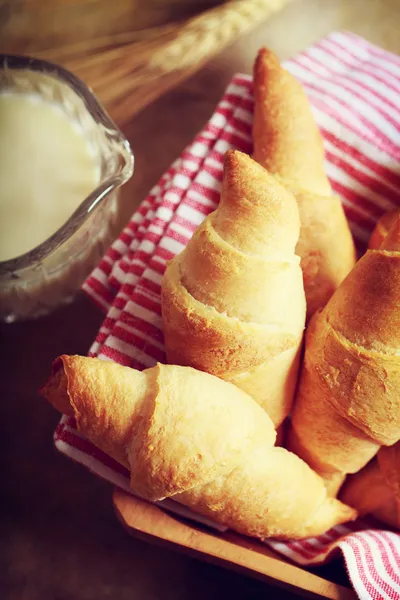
column 392, row 241
column 235, row 159
column 265, row 62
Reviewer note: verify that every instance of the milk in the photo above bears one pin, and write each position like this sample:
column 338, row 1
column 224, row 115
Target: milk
column 47, row 168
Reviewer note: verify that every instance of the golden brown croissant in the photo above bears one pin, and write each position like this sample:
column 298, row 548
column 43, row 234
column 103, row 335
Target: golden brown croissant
column 376, row 488
column 191, row 436
column 382, row 228
column 288, row 143
column 233, row 301
column 348, row 402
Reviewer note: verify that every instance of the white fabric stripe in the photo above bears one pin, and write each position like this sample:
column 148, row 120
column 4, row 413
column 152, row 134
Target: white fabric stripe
column 129, row 351
column 362, row 168
column 132, row 278
column 218, row 119
column 241, row 134
column 181, row 229
column 154, row 276
column 395, row 540
column 143, row 313
column 195, row 220
column 190, row 164
column 370, row 538
column 193, row 215
column 344, row 132
column 144, row 336
column 100, row 469
column 198, row 149
column 336, row 174
column 96, row 296
column 372, row 57
column 366, row 567
column 338, row 93
column 244, row 115
column 355, row 77
column 172, row 245
column 154, row 298
column 94, row 465
column 238, row 89
column 195, row 195
column 283, row 548
column 205, row 178
column 353, row 567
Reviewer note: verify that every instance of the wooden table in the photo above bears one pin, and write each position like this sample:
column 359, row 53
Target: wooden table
column 60, row 537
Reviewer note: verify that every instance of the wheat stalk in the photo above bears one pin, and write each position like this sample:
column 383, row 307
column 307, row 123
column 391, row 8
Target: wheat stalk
column 128, row 71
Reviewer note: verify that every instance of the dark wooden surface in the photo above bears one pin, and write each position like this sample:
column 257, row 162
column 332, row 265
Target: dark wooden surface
column 59, row 535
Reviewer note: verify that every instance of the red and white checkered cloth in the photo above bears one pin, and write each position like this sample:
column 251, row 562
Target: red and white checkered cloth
column 354, row 89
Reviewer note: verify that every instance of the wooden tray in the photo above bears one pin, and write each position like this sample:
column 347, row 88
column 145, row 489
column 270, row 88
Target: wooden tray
column 150, row 523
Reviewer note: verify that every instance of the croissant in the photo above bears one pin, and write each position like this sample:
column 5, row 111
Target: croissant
column 287, row 142
column 189, row 435
column 233, row 301
column 382, row 228
column 376, row 488
column 348, row 402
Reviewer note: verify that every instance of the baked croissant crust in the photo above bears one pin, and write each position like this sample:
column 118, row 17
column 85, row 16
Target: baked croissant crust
column 233, row 301
column 190, row 436
column 348, row 402
column 375, row 489
column 287, row 142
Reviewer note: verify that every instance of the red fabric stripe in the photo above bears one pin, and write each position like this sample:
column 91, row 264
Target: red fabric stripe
column 396, row 553
column 235, row 122
column 377, row 135
column 87, row 448
column 297, row 547
column 362, row 158
column 369, row 551
column 101, row 336
column 371, row 133
column 368, row 586
column 151, row 285
column 230, row 136
column 121, row 358
column 214, row 171
column 365, row 221
column 164, row 253
column 367, row 181
column 310, row 548
column 145, row 302
column 125, row 237
column 206, row 191
column 114, row 254
column 374, row 65
column 243, row 81
column 189, row 225
column 142, row 289
column 245, row 103
column 377, row 539
column 106, row 267
column 344, row 78
column 141, row 325
column 178, row 237
column 204, row 206
column 100, row 289
column 133, row 339
column 158, row 267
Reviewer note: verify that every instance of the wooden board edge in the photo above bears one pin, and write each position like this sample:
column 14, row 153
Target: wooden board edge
column 150, row 523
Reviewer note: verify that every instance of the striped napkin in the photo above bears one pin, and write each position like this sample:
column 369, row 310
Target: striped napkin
column 354, row 88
